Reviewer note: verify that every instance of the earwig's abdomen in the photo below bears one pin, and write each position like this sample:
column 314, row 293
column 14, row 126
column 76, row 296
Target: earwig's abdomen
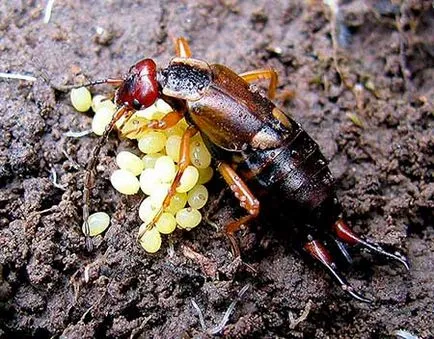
column 296, row 172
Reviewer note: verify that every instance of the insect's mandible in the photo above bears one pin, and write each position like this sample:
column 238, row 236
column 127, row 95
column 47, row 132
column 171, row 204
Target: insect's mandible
column 262, row 154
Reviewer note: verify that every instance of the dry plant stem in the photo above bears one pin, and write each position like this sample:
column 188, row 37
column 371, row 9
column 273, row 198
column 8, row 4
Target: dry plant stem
column 402, row 57
column 228, row 312
column 293, row 322
column 17, row 76
column 48, row 9
column 71, row 160
column 136, row 331
column 334, row 10
column 80, row 134
column 200, row 314
column 54, row 180
column 217, row 329
column 209, row 267
column 333, row 30
column 48, row 210
column 93, row 305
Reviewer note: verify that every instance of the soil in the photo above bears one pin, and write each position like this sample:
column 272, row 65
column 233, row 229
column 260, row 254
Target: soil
column 375, row 126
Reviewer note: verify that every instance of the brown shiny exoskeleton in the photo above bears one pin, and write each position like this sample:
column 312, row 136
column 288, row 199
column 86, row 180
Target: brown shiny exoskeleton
column 259, row 151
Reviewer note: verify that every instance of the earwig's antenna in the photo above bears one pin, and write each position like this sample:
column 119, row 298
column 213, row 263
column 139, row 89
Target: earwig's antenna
column 109, row 81
column 66, row 88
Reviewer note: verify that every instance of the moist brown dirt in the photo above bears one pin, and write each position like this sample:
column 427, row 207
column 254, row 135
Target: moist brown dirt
column 51, row 286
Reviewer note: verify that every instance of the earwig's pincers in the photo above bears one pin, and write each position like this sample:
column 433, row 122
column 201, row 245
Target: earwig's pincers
column 344, row 233
column 319, row 252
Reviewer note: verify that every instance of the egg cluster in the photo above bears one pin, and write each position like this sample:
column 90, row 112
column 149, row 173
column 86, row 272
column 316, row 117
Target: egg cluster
column 153, row 171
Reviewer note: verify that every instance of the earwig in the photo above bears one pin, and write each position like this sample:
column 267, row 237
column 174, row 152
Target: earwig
column 260, row 152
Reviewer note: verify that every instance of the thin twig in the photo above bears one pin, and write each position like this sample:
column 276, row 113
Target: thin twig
column 334, row 10
column 48, row 10
column 72, row 161
column 293, row 322
column 141, row 327
column 54, row 180
column 402, row 41
column 17, row 76
column 208, row 266
column 200, row 315
column 93, row 305
column 405, row 334
column 171, row 248
column 53, row 208
column 79, row 134
column 227, row 314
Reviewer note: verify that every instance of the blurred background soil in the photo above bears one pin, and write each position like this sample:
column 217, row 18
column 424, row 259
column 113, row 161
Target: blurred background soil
column 376, row 127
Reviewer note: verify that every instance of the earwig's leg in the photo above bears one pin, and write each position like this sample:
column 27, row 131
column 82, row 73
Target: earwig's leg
column 122, row 111
column 247, row 201
column 169, row 120
column 182, row 48
column 263, row 74
column 344, row 233
column 128, row 115
column 184, row 162
column 318, row 251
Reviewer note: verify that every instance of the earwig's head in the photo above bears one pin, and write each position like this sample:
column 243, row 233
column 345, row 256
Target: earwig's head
column 140, row 88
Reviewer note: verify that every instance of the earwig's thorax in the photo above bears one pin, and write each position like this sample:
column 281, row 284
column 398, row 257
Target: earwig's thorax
column 185, row 78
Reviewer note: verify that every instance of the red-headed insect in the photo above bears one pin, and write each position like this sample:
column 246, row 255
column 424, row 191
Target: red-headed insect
column 259, row 151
